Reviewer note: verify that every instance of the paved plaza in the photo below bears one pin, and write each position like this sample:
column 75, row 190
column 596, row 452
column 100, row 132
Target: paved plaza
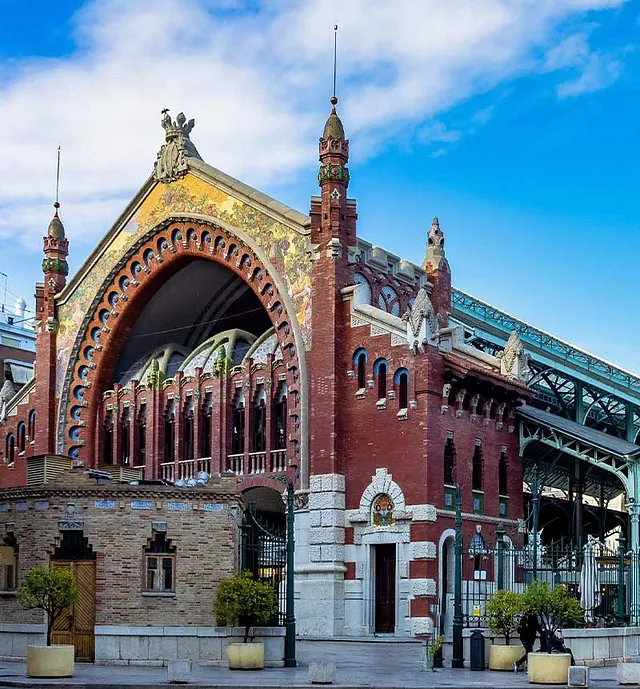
column 373, row 664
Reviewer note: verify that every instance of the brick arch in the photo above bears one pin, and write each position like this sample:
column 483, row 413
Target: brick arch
column 145, row 267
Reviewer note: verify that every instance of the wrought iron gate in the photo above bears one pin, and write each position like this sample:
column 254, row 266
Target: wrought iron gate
column 264, row 554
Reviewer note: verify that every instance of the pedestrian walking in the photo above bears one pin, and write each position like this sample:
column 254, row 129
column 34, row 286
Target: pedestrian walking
column 528, row 630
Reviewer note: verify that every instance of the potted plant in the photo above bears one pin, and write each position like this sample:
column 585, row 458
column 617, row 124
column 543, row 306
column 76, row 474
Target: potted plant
column 52, row 590
column 434, row 653
column 555, row 608
column 503, row 611
column 243, row 601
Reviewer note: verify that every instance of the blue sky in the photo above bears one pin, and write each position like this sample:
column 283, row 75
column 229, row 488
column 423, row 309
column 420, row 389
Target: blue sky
column 514, row 121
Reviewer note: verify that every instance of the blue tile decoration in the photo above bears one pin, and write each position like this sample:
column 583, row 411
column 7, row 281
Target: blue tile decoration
column 178, row 506
column 105, row 504
column 140, row 505
column 42, row 505
column 212, row 507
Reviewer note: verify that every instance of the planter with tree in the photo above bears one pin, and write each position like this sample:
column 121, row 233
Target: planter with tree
column 503, row 611
column 243, row 601
column 555, row 608
column 51, row 590
column 434, row 657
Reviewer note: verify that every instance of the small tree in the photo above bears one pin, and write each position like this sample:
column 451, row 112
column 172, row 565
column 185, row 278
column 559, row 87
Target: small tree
column 555, row 607
column 243, row 601
column 503, row 613
column 51, row 590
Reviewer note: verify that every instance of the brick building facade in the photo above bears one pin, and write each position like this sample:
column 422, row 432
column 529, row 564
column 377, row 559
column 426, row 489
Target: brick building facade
column 215, row 329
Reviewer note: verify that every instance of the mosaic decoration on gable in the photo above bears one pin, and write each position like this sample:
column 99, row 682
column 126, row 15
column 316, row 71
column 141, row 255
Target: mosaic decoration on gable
column 284, row 248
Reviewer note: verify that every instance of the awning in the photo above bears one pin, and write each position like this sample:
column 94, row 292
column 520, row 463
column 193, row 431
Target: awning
column 21, row 374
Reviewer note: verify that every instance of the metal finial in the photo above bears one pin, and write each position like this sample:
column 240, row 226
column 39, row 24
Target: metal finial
column 334, row 98
column 56, row 205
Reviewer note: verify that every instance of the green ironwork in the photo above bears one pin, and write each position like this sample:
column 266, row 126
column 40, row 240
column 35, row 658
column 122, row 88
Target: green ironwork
column 500, row 534
column 535, row 503
column 620, row 604
column 290, row 619
column 458, row 652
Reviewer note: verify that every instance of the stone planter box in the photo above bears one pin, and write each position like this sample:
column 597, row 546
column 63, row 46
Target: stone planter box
column 503, row 657
column 548, row 668
column 243, row 656
column 50, row 661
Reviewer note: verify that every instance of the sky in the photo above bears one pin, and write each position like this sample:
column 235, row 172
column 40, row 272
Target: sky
column 513, row 121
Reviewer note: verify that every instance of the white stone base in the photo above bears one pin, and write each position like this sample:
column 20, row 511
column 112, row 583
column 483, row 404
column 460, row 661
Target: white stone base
column 628, row 673
column 14, row 639
column 578, row 676
column 117, row 645
column 179, row 671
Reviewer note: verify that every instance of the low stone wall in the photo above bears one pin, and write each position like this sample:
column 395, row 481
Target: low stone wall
column 14, row 639
column 117, row 645
column 593, row 647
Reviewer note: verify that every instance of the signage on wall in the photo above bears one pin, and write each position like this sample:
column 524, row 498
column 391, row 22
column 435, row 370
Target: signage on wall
column 71, row 522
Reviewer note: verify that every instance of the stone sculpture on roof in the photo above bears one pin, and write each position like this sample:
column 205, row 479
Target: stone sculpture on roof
column 171, row 163
column 422, row 321
column 514, row 361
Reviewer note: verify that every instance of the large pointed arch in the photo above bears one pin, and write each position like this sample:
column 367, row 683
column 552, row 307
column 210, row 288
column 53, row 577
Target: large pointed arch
column 140, row 271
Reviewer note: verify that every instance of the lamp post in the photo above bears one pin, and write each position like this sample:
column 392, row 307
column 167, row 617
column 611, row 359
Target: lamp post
column 290, row 618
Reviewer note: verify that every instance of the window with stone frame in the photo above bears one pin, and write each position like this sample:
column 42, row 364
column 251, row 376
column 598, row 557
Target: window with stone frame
column 402, row 383
column 159, row 565
column 476, row 467
column 237, row 427
column 503, row 473
column 125, row 437
column 107, row 435
column 360, row 363
column 280, row 419
column 32, row 426
column 10, row 453
column 22, row 437
column 141, row 430
column 188, row 428
column 9, row 564
column 169, row 432
column 380, row 370
column 206, row 411
column 259, row 421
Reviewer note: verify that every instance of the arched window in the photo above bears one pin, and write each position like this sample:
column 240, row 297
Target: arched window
column 380, row 369
column 11, row 448
column 31, row 431
column 237, row 427
column 449, row 462
column 205, row 425
column 360, row 364
column 260, row 421
column 107, row 434
column 9, row 566
column 160, row 565
column 142, row 435
column 388, row 300
column 169, row 432
column 365, row 290
column 280, row 420
column 22, row 436
column 401, row 380
column 476, row 468
column 189, row 428
column 503, row 467
column 125, row 437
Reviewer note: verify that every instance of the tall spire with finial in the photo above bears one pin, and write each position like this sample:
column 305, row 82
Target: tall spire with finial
column 435, row 246
column 56, row 245
column 438, row 272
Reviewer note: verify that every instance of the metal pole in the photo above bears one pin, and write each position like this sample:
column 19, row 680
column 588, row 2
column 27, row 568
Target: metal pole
column 500, row 543
column 620, row 615
column 458, row 652
column 535, row 499
column 290, row 637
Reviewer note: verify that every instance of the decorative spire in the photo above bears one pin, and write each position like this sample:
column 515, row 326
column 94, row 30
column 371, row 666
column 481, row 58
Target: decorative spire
column 56, row 228
column 333, row 127
column 171, row 163
column 435, row 246
column 56, row 245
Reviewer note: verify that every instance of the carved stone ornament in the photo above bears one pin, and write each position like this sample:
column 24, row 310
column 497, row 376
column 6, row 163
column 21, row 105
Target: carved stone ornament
column 171, row 163
column 514, row 361
column 422, row 322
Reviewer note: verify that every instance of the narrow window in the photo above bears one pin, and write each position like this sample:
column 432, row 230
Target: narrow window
column 108, row 439
column 205, row 426
column 32, row 425
column 403, row 390
column 188, row 430
column 169, row 434
column 9, row 564
column 382, row 381
column 142, row 435
column 160, row 560
column 503, row 483
column 22, row 437
column 125, row 442
column 449, row 462
column 476, row 469
column 259, row 426
column 280, row 420
column 362, row 370
column 11, row 448
column 237, row 437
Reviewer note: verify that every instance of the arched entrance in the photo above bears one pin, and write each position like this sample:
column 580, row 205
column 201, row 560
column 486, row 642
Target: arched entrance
column 150, row 292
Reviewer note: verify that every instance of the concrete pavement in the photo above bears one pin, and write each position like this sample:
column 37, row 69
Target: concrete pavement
column 379, row 664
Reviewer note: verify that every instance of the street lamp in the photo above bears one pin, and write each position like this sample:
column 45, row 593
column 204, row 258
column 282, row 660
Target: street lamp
column 290, row 618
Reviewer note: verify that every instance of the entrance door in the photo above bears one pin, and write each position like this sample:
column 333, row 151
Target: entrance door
column 76, row 624
column 385, row 589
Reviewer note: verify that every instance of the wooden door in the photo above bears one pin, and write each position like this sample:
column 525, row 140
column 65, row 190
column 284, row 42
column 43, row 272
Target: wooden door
column 76, row 624
column 385, row 589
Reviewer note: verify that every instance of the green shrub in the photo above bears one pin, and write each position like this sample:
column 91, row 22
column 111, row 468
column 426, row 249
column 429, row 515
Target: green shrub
column 503, row 612
column 555, row 607
column 51, row 590
column 245, row 602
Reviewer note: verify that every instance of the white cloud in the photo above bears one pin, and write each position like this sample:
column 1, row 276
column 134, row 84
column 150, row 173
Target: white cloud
column 256, row 82
column 597, row 72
